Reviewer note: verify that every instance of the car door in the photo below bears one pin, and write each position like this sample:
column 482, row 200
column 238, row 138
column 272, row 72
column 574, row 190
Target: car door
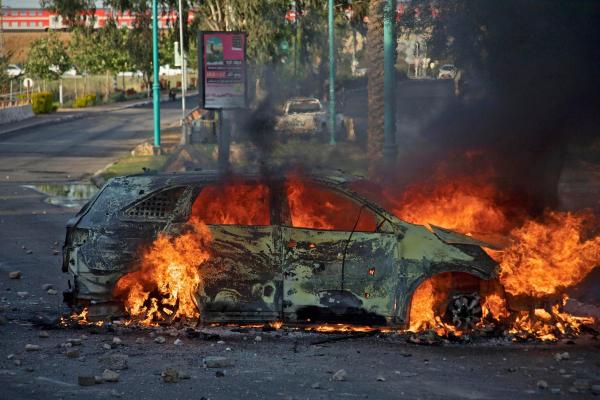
column 241, row 279
column 338, row 262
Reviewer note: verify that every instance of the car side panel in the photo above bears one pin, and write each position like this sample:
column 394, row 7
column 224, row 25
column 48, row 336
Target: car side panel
column 242, row 279
column 315, row 283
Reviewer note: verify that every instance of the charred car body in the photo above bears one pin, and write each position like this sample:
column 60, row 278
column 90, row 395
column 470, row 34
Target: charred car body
column 309, row 250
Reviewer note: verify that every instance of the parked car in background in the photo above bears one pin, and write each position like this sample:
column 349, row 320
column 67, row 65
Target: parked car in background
column 447, row 71
column 306, row 117
column 14, row 70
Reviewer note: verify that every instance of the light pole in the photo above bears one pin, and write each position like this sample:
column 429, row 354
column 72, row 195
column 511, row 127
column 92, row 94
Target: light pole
column 183, row 63
column 389, row 75
column 331, row 75
column 155, row 83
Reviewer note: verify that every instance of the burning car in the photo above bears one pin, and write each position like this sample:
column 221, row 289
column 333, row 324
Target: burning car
column 305, row 117
column 295, row 248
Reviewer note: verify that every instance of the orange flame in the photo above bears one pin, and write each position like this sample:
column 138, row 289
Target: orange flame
column 164, row 286
column 548, row 255
column 313, row 207
column 543, row 257
column 458, row 203
column 233, row 203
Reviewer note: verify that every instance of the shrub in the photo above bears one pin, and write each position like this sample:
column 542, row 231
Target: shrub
column 130, row 92
column 85, row 101
column 41, row 103
column 117, row 96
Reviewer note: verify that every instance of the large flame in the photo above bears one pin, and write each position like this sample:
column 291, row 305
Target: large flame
column 547, row 255
column 468, row 205
column 233, row 203
column 544, row 255
column 315, row 207
column 164, row 286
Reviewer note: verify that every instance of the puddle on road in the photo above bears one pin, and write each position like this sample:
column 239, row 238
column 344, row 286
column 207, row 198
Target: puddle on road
column 71, row 195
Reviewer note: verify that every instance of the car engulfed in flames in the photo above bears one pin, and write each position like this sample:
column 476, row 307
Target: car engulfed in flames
column 297, row 249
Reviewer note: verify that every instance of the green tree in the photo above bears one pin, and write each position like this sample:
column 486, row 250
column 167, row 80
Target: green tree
column 47, row 59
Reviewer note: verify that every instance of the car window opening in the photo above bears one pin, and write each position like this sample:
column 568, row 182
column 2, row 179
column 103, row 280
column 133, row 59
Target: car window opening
column 233, row 203
column 313, row 206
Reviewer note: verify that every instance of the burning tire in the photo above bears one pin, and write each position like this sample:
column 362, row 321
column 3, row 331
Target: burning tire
column 464, row 310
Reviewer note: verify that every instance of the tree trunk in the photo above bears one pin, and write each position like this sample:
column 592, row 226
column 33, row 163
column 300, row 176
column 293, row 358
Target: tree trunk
column 375, row 121
column 107, row 91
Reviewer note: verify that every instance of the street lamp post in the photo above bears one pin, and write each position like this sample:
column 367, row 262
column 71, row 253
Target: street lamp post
column 389, row 43
column 155, row 83
column 331, row 75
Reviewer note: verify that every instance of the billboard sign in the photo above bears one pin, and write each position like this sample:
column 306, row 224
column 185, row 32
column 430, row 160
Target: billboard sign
column 222, row 57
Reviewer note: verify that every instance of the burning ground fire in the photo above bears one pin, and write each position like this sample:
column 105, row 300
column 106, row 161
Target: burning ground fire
column 541, row 257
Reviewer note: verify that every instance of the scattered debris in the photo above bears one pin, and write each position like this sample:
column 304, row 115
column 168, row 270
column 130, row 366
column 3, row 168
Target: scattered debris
column 73, row 353
column 106, row 346
column 217, row 362
column 581, row 384
column 178, row 342
column 257, row 339
column 340, row 375
column 47, row 286
column 160, row 339
column 32, row 347
column 75, row 342
column 555, row 390
column 43, row 334
column 117, row 341
column 406, row 374
column 220, row 374
column 110, row 376
column 22, row 294
column 14, row 275
column 139, row 340
column 380, row 378
column 542, row 384
column 52, row 292
column 562, row 356
column 170, row 375
column 114, row 361
column 86, row 380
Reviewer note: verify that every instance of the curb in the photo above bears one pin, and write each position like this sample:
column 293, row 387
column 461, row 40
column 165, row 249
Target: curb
column 39, row 122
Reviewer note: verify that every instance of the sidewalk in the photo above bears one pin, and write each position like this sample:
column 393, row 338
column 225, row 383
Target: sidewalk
column 70, row 114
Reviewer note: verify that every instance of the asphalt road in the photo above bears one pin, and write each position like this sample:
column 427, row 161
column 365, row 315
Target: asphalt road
column 74, row 150
column 283, row 364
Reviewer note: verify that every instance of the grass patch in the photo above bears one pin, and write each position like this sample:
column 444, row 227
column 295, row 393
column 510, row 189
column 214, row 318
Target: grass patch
column 134, row 165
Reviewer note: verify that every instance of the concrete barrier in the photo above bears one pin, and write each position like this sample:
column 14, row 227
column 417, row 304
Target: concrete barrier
column 15, row 114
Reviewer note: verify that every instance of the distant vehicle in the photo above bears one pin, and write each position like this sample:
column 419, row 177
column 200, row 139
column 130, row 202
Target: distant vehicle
column 305, row 116
column 166, row 70
column 447, row 71
column 14, row 71
column 138, row 74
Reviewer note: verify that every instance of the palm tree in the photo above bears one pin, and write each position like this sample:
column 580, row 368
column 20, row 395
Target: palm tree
column 375, row 121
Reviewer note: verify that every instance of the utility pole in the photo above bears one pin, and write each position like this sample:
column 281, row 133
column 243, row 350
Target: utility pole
column 155, row 83
column 183, row 63
column 389, row 51
column 331, row 75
